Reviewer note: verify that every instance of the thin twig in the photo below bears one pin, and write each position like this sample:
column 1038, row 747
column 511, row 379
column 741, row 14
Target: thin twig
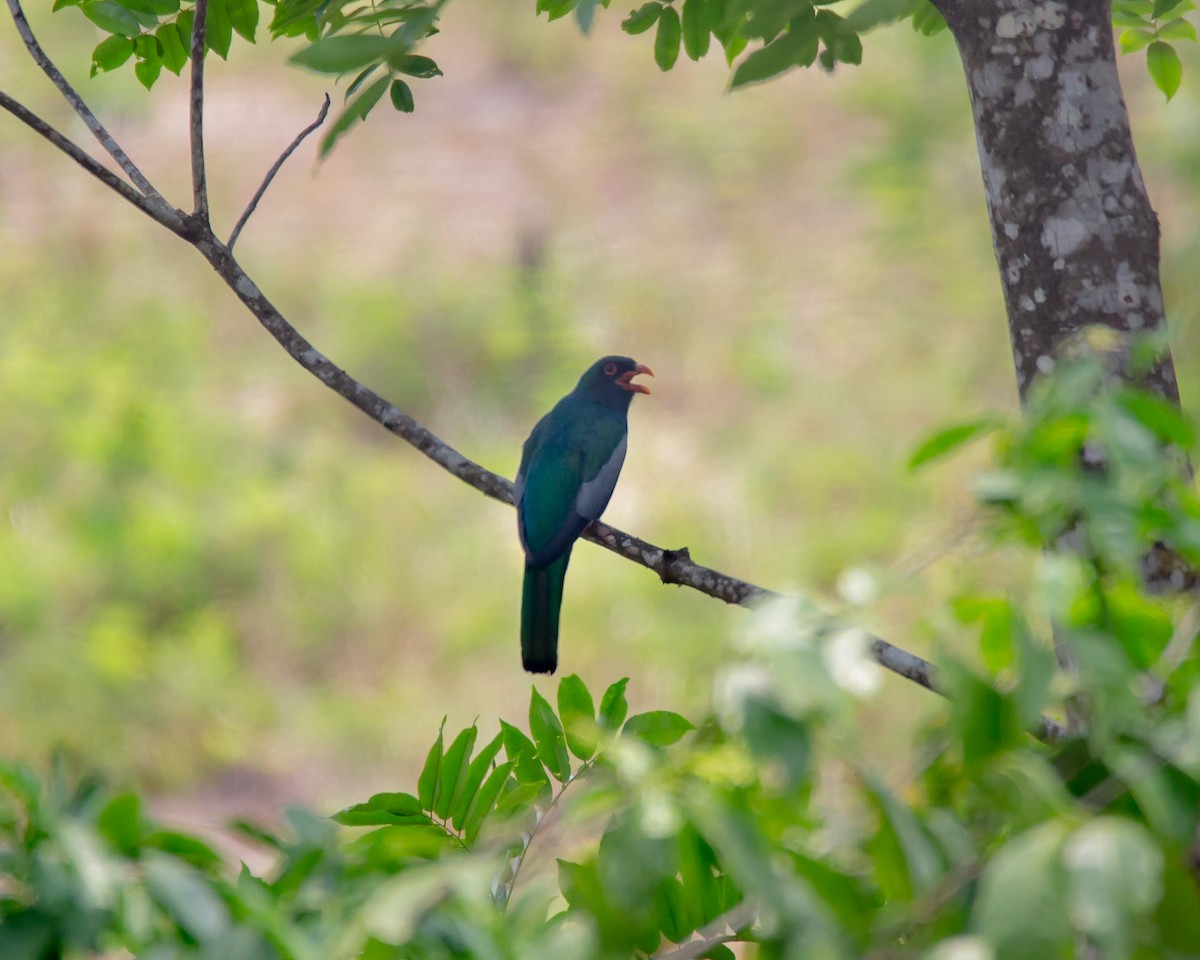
column 540, row 825
column 199, row 183
column 275, row 167
column 81, row 108
column 169, row 218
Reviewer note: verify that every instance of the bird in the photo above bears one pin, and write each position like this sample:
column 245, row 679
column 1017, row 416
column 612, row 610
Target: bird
column 569, row 468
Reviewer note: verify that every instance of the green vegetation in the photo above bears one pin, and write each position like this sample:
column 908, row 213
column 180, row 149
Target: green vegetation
column 768, row 822
column 217, row 582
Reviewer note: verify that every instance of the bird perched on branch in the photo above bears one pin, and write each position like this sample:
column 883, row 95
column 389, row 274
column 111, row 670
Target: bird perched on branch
column 569, row 467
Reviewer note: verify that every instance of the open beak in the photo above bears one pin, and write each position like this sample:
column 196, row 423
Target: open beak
column 625, row 380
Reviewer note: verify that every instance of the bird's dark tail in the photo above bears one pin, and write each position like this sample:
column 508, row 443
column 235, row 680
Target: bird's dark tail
column 540, row 603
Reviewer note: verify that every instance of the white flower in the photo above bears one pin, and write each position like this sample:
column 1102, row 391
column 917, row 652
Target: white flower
column 849, row 661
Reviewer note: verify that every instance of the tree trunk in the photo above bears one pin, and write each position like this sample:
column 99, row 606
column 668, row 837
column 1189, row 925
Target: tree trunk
column 1075, row 237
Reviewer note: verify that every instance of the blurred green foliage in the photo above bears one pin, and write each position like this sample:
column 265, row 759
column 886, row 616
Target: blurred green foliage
column 768, row 822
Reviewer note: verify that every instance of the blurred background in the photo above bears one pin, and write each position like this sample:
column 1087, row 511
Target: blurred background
column 222, row 584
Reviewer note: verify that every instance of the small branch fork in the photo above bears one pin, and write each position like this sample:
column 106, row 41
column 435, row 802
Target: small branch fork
column 672, row 566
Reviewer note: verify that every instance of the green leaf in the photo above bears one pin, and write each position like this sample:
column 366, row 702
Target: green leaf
column 697, row 29
column 578, row 713
column 387, row 846
column 341, row 54
column 775, row 736
column 1165, row 69
column 613, row 706
column 484, row 801
column 875, row 13
column 256, row 834
column 659, row 728
column 111, row 53
column 1163, row 7
column 769, row 18
column 697, row 863
column 642, row 19
column 478, row 769
column 1022, row 905
column 847, row 48
column 359, row 80
column 671, row 910
column 402, row 97
column 1131, row 21
column 149, row 62
column 797, row 47
column 666, row 41
column 585, row 13
column 1177, row 29
column 905, row 857
column 243, row 17
column 415, row 66
column 548, row 735
column 112, row 18
column 383, row 808
column 427, row 782
column 1133, row 40
column 28, row 935
column 1142, row 624
column 996, row 634
column 555, row 9
column 927, row 20
column 521, row 750
column 174, row 53
column 183, row 30
column 1178, row 915
column 951, row 438
column 218, row 32
column 120, row 823
column 1165, row 419
column 986, row 719
column 187, row 897
column 185, row 847
column 453, row 774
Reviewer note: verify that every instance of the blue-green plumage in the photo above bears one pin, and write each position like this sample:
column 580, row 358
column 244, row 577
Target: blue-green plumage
column 569, row 468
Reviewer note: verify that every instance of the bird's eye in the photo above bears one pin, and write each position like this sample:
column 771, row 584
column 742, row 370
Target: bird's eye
column 610, row 369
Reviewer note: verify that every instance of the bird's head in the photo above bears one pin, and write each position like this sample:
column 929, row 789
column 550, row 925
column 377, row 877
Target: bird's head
column 610, row 380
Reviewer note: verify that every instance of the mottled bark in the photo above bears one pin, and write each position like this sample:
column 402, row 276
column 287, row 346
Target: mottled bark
column 1075, row 237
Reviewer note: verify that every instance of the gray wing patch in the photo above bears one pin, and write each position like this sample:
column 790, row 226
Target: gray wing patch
column 594, row 494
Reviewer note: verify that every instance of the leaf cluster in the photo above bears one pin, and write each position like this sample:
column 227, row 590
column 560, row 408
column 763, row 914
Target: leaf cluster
column 374, row 42
column 1152, row 25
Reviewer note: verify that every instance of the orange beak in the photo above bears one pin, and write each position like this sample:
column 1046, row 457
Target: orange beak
column 625, row 380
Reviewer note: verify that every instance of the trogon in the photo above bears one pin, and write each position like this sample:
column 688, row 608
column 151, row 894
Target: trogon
column 569, row 468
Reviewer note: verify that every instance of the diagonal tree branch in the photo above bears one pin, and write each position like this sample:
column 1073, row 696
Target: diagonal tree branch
column 85, row 114
column 672, row 566
column 169, row 218
column 275, row 167
column 196, row 111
